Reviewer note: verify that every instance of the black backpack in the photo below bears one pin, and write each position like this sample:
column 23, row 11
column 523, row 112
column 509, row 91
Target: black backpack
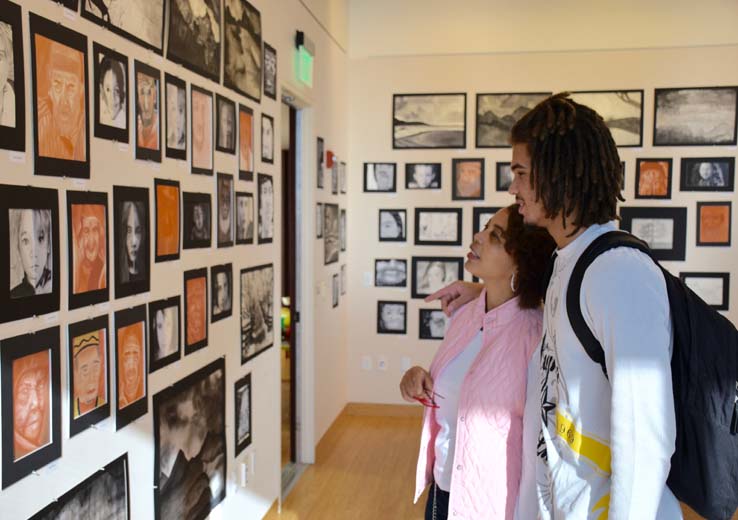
column 704, row 370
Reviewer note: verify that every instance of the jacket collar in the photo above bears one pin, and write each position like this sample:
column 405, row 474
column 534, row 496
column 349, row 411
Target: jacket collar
column 499, row 316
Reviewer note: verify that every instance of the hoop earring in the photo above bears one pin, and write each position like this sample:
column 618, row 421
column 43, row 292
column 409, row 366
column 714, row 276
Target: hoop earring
column 512, row 284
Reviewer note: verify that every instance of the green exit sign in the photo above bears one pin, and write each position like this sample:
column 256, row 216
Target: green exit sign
column 305, row 66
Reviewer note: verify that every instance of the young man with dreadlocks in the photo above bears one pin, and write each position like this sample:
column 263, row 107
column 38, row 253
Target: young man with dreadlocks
column 595, row 445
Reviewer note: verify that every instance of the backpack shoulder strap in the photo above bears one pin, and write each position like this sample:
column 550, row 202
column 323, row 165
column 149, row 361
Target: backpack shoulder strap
column 601, row 244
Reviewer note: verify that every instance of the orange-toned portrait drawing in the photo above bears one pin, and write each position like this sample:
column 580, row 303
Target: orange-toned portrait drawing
column 245, row 138
column 654, row 179
column 202, row 130
column 468, row 179
column 31, row 403
column 167, row 220
column 89, row 370
column 61, row 94
column 131, row 368
column 147, row 119
column 196, row 314
column 715, row 224
column 89, row 242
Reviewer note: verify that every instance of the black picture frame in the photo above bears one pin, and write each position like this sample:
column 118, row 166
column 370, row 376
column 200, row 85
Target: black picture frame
column 342, row 179
column 444, row 138
column 334, row 290
column 140, row 407
column 200, row 169
column 477, row 213
column 343, row 229
column 455, row 195
column 381, row 327
column 724, row 304
column 334, row 176
column 257, row 306
column 190, row 239
column 181, row 86
column 331, row 233
column 614, row 121
column 220, row 102
column 343, row 279
column 225, row 187
column 157, row 47
column 245, row 236
column 246, row 165
column 157, row 362
column 198, row 344
column 320, row 160
column 76, row 330
column 14, row 137
column 242, row 38
column 99, row 55
column 670, row 175
column 434, row 184
column 455, row 241
column 378, row 263
column 193, row 50
column 375, row 188
column 402, row 213
column 319, row 220
column 264, row 180
column 15, row 300
column 704, row 242
column 126, row 197
column 501, row 183
column 11, row 350
column 270, row 76
column 241, row 387
column 723, row 181
column 456, row 261
column 424, row 317
column 269, row 159
column 678, row 215
column 144, row 152
column 166, row 257
column 217, row 314
column 47, row 164
column 514, row 104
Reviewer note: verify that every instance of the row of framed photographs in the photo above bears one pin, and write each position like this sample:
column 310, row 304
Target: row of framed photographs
column 326, row 158
column 688, row 116
column 332, row 229
column 392, row 319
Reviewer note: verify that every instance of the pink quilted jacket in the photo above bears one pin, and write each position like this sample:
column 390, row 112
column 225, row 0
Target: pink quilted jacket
column 487, row 463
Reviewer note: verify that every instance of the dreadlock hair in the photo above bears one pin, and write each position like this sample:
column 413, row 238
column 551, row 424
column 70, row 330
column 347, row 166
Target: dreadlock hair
column 575, row 167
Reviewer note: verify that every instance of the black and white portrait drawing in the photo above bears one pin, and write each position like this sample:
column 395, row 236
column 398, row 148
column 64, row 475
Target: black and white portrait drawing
column 131, row 211
column 391, row 317
column 707, row 174
column 390, row 272
column 622, row 111
column 713, row 288
column 423, row 176
column 343, row 279
column 164, row 333
column 270, row 71
column 432, row 273
column 266, row 208
column 195, row 36
column 342, row 230
column 695, row 116
column 225, row 210
column 331, row 239
column 257, row 310
column 342, row 180
column 244, row 218
column 12, row 81
column 334, row 290
column 663, row 228
column 267, row 139
column 196, row 226
column 392, row 225
column 438, row 226
column 497, row 113
column 320, row 160
column 111, row 94
column 319, row 220
column 141, row 21
column 432, row 323
column 242, row 57
column 504, row 176
column 380, row 177
column 175, row 92
column 221, row 291
column 429, row 121
column 242, row 405
column 226, row 125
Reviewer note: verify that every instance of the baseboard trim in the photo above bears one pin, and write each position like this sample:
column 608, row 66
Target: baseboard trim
column 383, row 410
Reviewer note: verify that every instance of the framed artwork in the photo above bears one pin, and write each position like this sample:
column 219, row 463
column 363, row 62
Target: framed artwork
column 342, row 180
column 270, row 71
column 713, row 288
column 257, row 310
column 242, row 415
column 653, row 179
column 141, row 21
column 342, row 230
column 111, row 93
column 29, row 261
column 430, row 273
column 331, row 242
column 245, row 143
column 148, row 113
column 175, row 91
column 319, row 220
column 190, row 444
column 392, row 225
column 131, row 389
column 498, row 113
column 221, row 280
column 195, row 37
column 334, row 176
column 164, row 333
column 242, row 56
column 504, row 176
column 103, row 494
column 335, row 290
column 225, row 210
column 428, row 121
column 244, row 218
column 131, row 233
column 423, row 176
column 12, row 82
column 437, row 226
column 87, row 242
column 196, row 309
column 196, row 222
column 468, row 179
column 61, row 133
column 201, row 101
column 166, row 194
column 664, row 229
column 343, row 279
column 707, row 174
column 695, row 116
column 31, row 404
column 321, row 162
column 714, row 223
column 267, row 139
column 266, row 208
column 226, row 125
column 391, row 317
column 622, row 111
column 390, row 272
column 89, row 386
column 380, row 177
column 481, row 216
column 432, row 324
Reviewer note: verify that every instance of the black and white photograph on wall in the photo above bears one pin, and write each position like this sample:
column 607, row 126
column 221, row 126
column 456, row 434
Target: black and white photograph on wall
column 221, row 292
column 320, row 160
column 244, row 218
column 104, row 494
column 342, row 230
column 29, row 261
column 319, row 220
column 438, row 226
column 429, row 121
column 380, row 177
column 12, row 79
column 391, row 317
column 31, row 403
column 713, row 288
column 267, row 139
column 175, row 93
column 242, row 56
column 695, row 116
column 195, row 36
column 165, row 341
column 390, row 272
column 481, row 217
column 148, row 112
column 242, row 408
column 343, row 279
column 342, row 180
column 60, row 100
column 504, row 176
column 270, row 71
column 225, row 210
column 131, row 373
column 257, row 310
column 664, row 229
column 498, row 113
column 423, row 176
column 226, row 125
column 141, row 21
column 196, row 226
column 266, row 208
column 392, row 225
column 131, row 246
column 331, row 239
column 111, row 93
column 190, row 445
column 433, row 323
column 622, row 111
column 432, row 273
column 467, row 181
column 707, row 174
column 88, row 247
column 334, row 176
column 335, row 289
column 201, row 132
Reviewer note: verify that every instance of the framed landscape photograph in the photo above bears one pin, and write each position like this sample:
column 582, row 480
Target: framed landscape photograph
column 257, row 310
column 140, row 21
column 497, row 114
column 390, row 272
column 695, row 116
column 653, row 178
column 111, row 93
column 432, row 324
column 242, row 56
column 622, row 111
column 664, row 229
column 430, row 273
column 392, row 225
column 714, row 223
column 88, row 245
column 12, row 84
column 428, row 121
column 707, row 174
column 391, row 317
column 423, row 176
column 380, row 177
column 467, row 179
column 713, row 288
column 504, row 176
column 438, row 226
column 195, row 36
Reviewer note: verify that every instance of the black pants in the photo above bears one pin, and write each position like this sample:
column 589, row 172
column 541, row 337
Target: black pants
column 441, row 499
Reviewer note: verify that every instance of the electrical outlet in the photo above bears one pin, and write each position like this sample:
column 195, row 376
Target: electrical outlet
column 381, row 363
column 366, row 362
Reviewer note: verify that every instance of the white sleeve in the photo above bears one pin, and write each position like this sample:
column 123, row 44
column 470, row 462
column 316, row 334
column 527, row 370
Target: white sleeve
column 527, row 504
column 625, row 303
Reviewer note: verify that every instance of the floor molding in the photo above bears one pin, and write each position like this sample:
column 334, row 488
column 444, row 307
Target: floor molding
column 383, row 410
